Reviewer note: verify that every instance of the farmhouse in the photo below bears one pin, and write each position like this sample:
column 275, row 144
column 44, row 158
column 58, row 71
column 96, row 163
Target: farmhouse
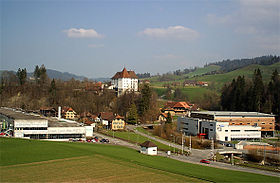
column 125, row 81
column 149, row 148
column 26, row 125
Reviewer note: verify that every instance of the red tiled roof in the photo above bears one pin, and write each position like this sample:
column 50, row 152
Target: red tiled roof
column 164, row 114
column 182, row 104
column 119, row 117
column 125, row 74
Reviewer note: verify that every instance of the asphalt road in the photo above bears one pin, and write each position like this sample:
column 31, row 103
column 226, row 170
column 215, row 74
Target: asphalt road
column 195, row 157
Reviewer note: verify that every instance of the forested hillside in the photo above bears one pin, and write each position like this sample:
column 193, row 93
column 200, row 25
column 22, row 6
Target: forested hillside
column 230, row 65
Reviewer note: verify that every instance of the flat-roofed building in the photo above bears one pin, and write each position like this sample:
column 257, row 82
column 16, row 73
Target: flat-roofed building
column 221, row 131
column 26, row 125
column 265, row 121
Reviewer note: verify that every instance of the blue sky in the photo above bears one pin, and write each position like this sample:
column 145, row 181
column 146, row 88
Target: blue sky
column 99, row 38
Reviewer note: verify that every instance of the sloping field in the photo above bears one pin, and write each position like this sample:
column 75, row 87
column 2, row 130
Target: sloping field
column 248, row 72
column 35, row 161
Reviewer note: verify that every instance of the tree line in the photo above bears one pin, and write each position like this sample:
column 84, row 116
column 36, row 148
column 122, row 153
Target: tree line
column 230, row 65
column 252, row 95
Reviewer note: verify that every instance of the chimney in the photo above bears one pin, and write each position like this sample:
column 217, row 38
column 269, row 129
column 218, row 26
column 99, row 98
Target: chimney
column 59, row 112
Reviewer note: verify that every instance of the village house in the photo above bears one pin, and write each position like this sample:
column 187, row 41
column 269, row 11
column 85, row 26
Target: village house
column 96, row 88
column 179, row 108
column 125, row 81
column 48, row 111
column 110, row 121
column 68, row 113
column 162, row 117
column 118, row 123
column 89, row 119
column 106, row 118
column 195, row 83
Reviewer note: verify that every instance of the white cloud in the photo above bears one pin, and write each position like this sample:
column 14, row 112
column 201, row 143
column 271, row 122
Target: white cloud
column 96, row 45
column 173, row 32
column 82, row 33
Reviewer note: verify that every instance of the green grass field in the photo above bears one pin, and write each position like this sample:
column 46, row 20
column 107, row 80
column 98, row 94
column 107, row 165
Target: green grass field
column 42, row 161
column 136, row 138
column 193, row 93
column 248, row 72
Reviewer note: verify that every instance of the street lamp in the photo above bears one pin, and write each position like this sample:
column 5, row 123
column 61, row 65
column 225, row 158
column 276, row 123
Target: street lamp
column 173, row 142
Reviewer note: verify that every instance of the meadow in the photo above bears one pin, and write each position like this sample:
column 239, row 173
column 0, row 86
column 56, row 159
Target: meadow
column 42, row 161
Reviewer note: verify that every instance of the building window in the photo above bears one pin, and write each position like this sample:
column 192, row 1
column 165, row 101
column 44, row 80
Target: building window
column 235, row 130
column 248, row 123
column 211, row 130
column 226, row 130
column 211, row 124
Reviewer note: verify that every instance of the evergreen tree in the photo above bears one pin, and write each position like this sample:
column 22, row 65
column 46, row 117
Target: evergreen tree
column 52, row 93
column 258, row 87
column 21, row 75
column 132, row 114
column 169, row 118
column 36, row 73
column 275, row 92
column 144, row 103
column 43, row 74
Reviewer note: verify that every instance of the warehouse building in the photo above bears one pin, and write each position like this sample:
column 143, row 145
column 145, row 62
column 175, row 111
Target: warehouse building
column 25, row 125
column 221, row 131
column 265, row 121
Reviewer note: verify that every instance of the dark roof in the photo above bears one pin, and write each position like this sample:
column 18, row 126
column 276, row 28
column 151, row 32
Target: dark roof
column 148, row 144
column 125, row 74
column 16, row 114
column 107, row 116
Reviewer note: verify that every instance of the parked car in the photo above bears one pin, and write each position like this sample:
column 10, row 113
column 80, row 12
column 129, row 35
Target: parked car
column 205, row 161
column 104, row 140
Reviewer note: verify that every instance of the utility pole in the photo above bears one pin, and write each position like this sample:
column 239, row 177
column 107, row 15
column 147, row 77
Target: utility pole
column 183, row 142
column 264, row 155
column 190, row 146
column 212, row 149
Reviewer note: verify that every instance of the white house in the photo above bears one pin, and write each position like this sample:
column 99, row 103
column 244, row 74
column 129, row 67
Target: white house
column 125, row 81
column 149, row 148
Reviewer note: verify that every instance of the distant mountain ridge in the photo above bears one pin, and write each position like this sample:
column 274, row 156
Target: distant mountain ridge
column 64, row 76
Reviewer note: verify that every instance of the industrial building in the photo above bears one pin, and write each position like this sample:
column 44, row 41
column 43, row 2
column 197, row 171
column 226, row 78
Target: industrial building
column 265, row 121
column 221, row 131
column 26, row 125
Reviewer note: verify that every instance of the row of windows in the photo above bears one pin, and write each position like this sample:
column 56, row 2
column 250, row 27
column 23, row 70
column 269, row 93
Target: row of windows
column 263, row 123
column 32, row 128
column 117, row 123
column 117, row 126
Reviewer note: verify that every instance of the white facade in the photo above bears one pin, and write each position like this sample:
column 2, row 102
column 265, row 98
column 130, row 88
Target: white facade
column 221, row 131
column 125, row 84
column 30, row 127
column 149, row 150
